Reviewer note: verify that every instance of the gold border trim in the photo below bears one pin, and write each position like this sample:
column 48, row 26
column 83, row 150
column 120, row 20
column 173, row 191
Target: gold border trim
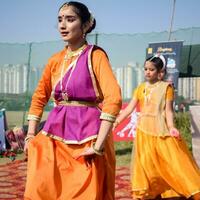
column 33, row 117
column 78, row 103
column 144, row 189
column 69, row 141
column 108, row 117
column 91, row 72
column 193, row 193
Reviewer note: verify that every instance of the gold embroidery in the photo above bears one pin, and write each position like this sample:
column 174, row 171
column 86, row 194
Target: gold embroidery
column 33, row 117
column 108, row 117
column 69, row 141
column 77, row 103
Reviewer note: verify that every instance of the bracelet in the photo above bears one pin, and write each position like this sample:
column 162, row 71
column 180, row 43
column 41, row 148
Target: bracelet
column 117, row 122
column 98, row 152
column 28, row 137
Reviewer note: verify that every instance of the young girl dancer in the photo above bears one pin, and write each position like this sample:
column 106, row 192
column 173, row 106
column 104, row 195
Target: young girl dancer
column 161, row 159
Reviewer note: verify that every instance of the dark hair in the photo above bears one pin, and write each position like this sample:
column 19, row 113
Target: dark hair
column 157, row 62
column 82, row 11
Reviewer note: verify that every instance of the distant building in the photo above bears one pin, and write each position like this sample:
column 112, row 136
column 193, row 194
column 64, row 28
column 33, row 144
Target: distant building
column 189, row 88
column 20, row 81
column 128, row 78
column 35, row 74
column 13, row 78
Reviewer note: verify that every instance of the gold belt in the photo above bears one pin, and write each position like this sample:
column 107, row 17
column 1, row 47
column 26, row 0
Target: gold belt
column 77, row 103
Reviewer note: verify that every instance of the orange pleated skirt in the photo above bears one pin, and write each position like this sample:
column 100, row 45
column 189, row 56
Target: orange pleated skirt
column 53, row 173
column 163, row 166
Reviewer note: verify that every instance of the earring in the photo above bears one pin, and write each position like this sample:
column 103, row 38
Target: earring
column 84, row 35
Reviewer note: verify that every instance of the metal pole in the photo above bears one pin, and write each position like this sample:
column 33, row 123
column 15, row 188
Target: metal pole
column 96, row 38
column 27, row 83
column 172, row 20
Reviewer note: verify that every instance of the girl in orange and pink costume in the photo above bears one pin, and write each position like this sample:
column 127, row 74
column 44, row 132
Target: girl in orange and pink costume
column 73, row 156
column 161, row 160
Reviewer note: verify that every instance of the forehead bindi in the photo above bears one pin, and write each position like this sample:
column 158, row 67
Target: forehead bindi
column 67, row 11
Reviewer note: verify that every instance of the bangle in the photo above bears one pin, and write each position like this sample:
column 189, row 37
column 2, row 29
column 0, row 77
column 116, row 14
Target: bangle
column 30, row 133
column 28, row 137
column 98, row 152
column 117, row 122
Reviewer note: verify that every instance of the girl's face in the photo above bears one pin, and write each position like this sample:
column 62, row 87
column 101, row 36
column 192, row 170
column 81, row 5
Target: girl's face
column 150, row 72
column 69, row 25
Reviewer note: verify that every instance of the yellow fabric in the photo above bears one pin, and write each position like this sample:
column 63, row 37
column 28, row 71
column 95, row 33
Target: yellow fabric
column 152, row 119
column 110, row 94
column 136, row 95
column 162, row 165
column 169, row 93
column 53, row 174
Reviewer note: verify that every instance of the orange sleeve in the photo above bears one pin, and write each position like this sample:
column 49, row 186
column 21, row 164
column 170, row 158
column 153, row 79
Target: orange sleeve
column 41, row 95
column 135, row 93
column 170, row 93
column 108, row 85
column 138, row 92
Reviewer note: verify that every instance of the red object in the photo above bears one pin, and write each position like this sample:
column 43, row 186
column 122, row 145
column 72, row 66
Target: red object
column 124, row 135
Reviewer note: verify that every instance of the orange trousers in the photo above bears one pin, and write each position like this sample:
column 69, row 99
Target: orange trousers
column 53, row 173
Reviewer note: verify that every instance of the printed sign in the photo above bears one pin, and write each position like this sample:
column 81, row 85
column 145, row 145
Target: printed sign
column 126, row 130
column 171, row 51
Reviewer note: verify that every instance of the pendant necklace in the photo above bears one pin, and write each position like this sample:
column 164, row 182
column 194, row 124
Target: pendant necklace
column 149, row 90
column 69, row 55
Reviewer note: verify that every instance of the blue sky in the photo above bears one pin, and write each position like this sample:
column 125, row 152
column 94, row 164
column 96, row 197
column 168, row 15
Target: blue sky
column 35, row 20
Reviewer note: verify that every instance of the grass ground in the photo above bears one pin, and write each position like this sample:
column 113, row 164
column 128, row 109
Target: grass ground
column 20, row 156
column 15, row 118
column 123, row 152
column 183, row 123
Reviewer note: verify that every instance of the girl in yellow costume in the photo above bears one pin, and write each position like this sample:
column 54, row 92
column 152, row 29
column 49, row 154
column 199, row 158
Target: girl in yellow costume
column 161, row 160
column 73, row 156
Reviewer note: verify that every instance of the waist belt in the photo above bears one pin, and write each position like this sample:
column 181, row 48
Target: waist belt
column 78, row 103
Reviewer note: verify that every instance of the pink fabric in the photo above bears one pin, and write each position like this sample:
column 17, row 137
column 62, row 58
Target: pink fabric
column 75, row 123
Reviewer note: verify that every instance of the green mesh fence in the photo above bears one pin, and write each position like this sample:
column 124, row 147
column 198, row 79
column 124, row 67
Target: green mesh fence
column 190, row 61
column 21, row 65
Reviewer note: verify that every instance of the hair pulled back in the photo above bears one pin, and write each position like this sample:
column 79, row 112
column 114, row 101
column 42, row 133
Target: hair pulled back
column 82, row 11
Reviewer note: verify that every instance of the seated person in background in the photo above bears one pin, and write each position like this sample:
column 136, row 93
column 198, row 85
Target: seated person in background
column 15, row 137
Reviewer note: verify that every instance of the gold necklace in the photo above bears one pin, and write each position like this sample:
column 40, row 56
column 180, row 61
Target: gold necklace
column 149, row 90
column 71, row 54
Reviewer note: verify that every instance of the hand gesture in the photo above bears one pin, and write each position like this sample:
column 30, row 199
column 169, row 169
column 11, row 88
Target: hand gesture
column 27, row 140
column 88, row 154
column 174, row 132
column 115, row 124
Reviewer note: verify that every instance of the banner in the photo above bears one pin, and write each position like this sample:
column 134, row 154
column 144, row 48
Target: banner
column 171, row 50
column 126, row 130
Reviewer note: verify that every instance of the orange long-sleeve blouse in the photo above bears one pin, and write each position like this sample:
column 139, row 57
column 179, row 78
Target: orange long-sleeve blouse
column 108, row 88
